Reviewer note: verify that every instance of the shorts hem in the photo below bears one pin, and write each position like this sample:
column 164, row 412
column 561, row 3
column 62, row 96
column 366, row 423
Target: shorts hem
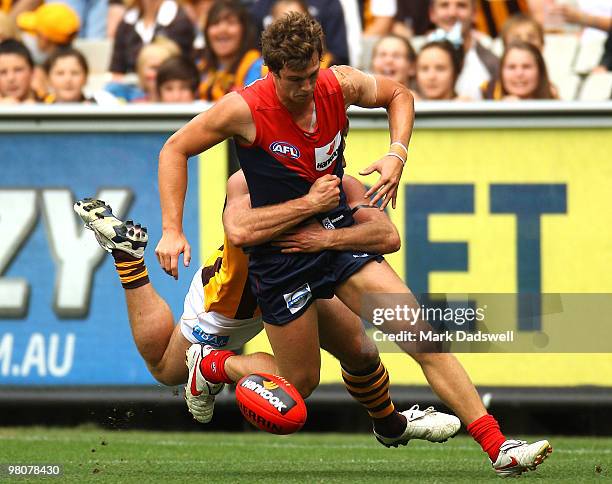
column 291, row 316
column 354, row 268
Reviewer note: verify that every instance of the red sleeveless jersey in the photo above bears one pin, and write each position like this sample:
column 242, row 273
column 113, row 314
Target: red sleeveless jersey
column 284, row 161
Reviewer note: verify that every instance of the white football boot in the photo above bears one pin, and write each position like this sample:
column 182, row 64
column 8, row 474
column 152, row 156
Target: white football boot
column 517, row 456
column 111, row 232
column 200, row 393
column 425, row 424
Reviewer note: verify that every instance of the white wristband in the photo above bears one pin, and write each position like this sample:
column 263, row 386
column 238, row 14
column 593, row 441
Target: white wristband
column 402, row 145
column 397, row 156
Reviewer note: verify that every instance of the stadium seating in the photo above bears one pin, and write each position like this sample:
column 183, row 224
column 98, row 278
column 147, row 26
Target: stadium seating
column 97, row 52
column 596, row 87
column 589, row 55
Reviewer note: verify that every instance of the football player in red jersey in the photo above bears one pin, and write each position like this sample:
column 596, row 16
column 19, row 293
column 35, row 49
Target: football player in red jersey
column 301, row 107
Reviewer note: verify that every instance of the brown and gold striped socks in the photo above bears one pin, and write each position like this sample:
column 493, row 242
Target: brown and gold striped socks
column 371, row 389
column 132, row 271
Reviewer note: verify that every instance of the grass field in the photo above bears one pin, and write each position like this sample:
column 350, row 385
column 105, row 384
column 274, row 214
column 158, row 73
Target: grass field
column 96, row 455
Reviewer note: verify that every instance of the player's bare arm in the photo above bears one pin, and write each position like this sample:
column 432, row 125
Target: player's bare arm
column 370, row 91
column 230, row 117
column 246, row 226
column 373, row 231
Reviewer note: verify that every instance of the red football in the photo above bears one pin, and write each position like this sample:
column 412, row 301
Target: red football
column 271, row 403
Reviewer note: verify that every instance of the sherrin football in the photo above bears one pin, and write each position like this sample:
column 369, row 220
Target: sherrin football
column 271, row 403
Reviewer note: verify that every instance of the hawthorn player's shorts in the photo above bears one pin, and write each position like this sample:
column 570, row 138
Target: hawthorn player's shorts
column 210, row 327
column 285, row 285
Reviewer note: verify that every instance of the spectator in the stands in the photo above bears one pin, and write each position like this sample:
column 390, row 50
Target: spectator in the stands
column 53, row 26
column 437, row 68
column 67, row 71
column 229, row 61
column 8, row 28
column 525, row 28
column 283, row 7
column 49, row 28
column 523, row 75
column 16, row 69
column 177, row 80
column 454, row 19
column 144, row 21
column 150, row 57
column 394, row 57
column 328, row 13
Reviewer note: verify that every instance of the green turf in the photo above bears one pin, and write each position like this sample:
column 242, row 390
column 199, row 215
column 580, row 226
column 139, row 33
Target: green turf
column 95, row 455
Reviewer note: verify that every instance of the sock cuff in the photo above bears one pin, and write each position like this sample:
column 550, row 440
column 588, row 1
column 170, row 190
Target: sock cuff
column 362, row 373
column 133, row 273
column 484, row 420
column 221, row 365
column 213, row 366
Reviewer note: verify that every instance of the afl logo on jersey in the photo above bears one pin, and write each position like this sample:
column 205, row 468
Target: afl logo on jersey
column 326, row 155
column 285, row 149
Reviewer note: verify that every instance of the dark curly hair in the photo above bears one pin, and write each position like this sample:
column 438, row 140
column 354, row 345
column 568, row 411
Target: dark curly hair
column 291, row 41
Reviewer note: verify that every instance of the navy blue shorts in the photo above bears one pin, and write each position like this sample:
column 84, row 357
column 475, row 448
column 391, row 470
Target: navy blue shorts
column 285, row 285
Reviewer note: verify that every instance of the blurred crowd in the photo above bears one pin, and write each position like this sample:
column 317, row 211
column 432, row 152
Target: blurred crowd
column 181, row 51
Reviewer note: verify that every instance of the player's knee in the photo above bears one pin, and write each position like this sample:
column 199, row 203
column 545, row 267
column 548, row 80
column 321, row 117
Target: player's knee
column 162, row 374
column 361, row 353
column 305, row 383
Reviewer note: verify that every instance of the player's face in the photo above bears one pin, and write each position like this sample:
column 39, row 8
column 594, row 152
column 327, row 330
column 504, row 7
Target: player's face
column 435, row 74
column 391, row 60
column 176, row 91
column 297, row 87
column 15, row 77
column 225, row 36
column 446, row 13
column 67, row 79
column 525, row 32
column 520, row 73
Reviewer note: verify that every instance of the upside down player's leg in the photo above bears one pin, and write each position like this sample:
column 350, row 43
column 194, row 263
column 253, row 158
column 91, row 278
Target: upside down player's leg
column 445, row 374
column 159, row 343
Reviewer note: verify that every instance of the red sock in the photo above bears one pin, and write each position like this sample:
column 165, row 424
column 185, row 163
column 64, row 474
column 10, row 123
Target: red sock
column 486, row 432
column 212, row 366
